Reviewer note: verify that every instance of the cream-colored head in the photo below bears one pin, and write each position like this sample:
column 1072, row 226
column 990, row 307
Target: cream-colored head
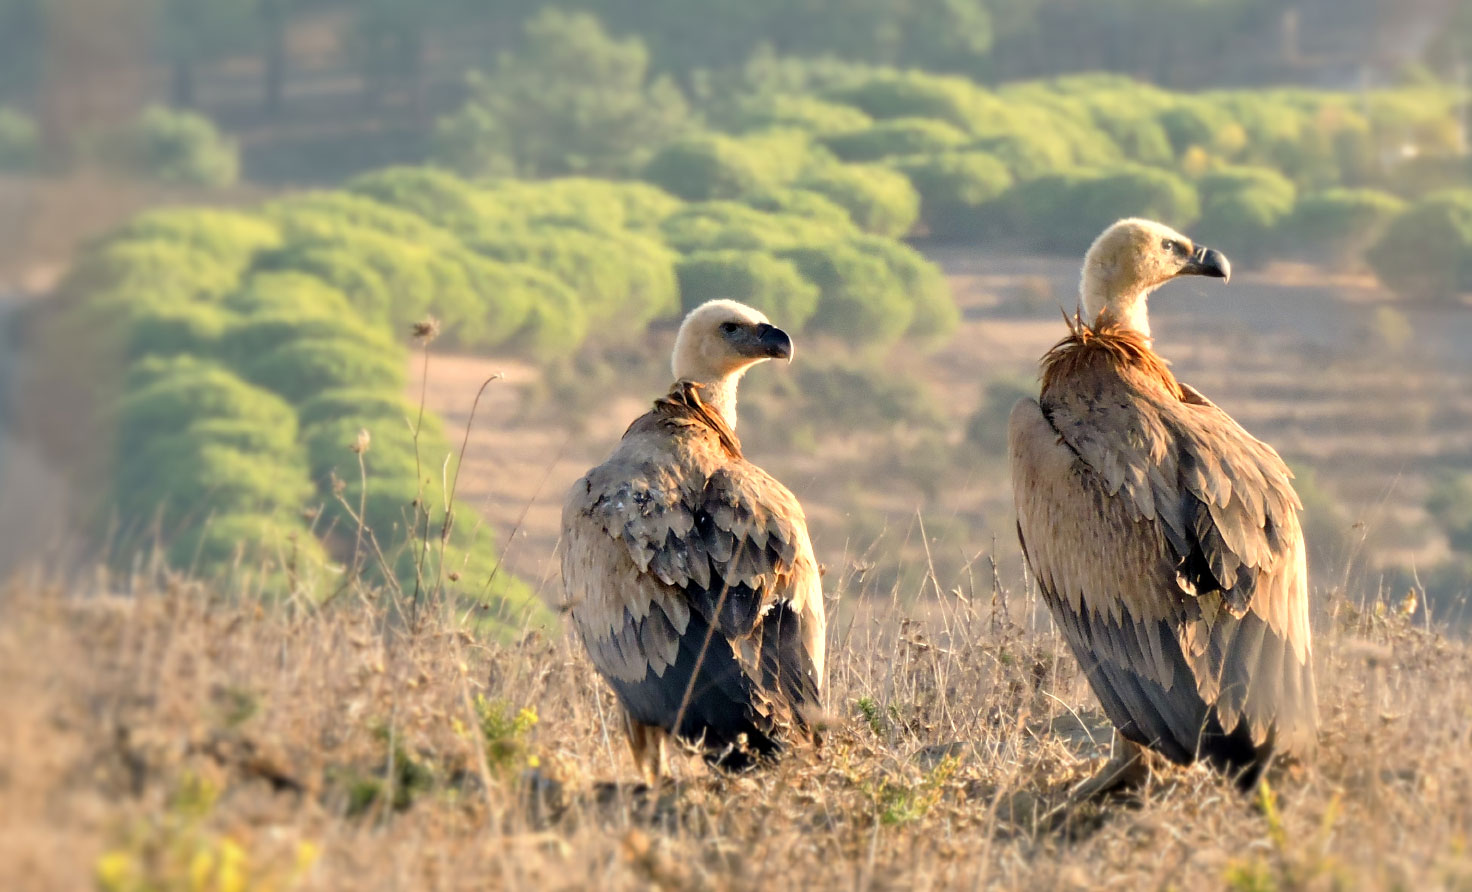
column 718, row 342
column 1134, row 257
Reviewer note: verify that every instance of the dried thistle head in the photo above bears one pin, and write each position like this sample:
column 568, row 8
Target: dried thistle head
column 426, row 329
column 360, row 445
column 338, row 484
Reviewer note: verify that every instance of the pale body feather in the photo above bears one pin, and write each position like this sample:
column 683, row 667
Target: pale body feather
column 1155, row 524
column 677, row 523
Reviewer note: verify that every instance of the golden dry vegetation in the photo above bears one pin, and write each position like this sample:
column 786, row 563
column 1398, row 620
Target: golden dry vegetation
column 178, row 740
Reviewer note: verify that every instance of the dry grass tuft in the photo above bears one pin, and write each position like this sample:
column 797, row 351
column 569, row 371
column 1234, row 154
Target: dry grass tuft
column 178, row 741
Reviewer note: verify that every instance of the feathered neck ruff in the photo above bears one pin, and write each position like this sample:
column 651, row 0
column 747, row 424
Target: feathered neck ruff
column 1109, row 344
column 684, row 405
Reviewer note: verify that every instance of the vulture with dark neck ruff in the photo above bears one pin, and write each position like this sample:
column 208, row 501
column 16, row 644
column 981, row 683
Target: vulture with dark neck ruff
column 687, row 569
column 1164, row 537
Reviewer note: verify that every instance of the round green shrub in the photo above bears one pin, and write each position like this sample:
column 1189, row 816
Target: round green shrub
column 705, row 166
column 876, row 198
column 192, row 328
column 770, row 284
column 184, row 478
column 282, row 551
column 363, row 406
column 860, row 299
column 900, row 136
column 556, row 322
column 1241, row 210
column 436, row 195
column 176, row 147
column 254, row 336
column 157, row 271
column 170, row 393
column 934, row 312
column 1064, row 212
column 1339, row 225
column 303, row 367
column 792, row 111
column 953, row 100
column 326, row 216
column 956, row 189
column 1427, row 251
column 802, row 203
column 599, row 205
column 729, row 225
column 622, row 279
column 1190, row 123
column 289, row 292
column 230, row 237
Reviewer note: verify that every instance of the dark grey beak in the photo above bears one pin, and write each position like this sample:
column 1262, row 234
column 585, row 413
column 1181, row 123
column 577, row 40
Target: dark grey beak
column 1208, row 262
column 774, row 342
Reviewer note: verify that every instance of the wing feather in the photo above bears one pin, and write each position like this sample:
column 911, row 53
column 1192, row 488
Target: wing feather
column 675, row 535
column 1169, row 538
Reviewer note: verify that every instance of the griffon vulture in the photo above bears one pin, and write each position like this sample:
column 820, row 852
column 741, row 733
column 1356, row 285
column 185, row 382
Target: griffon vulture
column 1164, row 537
column 688, row 570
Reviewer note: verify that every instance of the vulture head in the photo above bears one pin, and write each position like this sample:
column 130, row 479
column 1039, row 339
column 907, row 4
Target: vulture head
column 718, row 341
column 1134, row 257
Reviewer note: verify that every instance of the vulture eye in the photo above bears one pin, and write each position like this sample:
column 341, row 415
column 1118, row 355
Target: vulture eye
column 728, row 327
column 1170, row 245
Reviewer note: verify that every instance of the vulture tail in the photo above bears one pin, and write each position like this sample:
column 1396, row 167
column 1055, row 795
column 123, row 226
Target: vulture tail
column 720, row 711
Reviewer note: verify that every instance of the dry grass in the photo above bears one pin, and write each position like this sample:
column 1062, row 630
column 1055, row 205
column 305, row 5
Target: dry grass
column 174, row 740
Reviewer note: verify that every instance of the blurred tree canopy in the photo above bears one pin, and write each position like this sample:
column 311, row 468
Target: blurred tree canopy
column 571, row 99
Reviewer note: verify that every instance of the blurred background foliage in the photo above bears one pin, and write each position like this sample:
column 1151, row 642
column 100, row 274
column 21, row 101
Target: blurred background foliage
column 547, row 180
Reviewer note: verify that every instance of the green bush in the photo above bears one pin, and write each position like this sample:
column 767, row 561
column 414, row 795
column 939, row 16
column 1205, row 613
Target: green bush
column 956, row 191
column 362, row 405
column 860, row 298
column 156, row 271
column 598, row 205
column 176, row 147
column 1029, row 153
column 223, row 544
column 183, row 479
column 706, row 166
column 171, row 393
column 789, row 111
column 174, row 330
column 1242, row 208
column 622, row 279
column 230, row 237
column 291, row 293
column 728, row 225
column 1339, row 225
column 323, row 216
column 802, row 203
column 20, row 142
column 953, row 100
column 382, row 277
column 1427, row 251
column 771, row 285
column 1190, row 123
column 1064, row 212
column 900, row 136
column 878, row 199
column 934, row 314
column 303, row 367
column 436, row 195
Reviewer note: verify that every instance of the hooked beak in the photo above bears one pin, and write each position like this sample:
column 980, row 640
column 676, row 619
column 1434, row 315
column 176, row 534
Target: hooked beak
column 773, row 342
column 1208, row 262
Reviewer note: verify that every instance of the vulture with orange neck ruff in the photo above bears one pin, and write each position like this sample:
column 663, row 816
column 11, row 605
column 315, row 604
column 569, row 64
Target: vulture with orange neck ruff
column 1164, row 537
column 687, row 569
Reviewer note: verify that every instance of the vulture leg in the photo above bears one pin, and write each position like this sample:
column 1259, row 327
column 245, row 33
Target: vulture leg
column 1126, row 768
column 646, row 743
